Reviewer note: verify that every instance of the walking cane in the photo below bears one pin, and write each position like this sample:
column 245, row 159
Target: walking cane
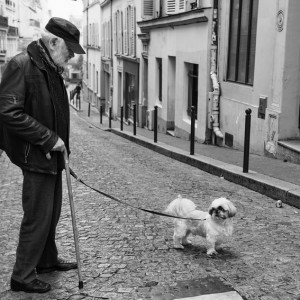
column 80, row 285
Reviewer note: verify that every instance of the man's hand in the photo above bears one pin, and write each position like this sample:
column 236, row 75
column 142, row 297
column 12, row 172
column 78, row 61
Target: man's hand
column 59, row 146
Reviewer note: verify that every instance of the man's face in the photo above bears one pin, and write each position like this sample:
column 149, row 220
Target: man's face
column 61, row 53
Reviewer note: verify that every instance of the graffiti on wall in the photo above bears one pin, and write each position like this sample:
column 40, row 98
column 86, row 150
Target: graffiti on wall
column 272, row 134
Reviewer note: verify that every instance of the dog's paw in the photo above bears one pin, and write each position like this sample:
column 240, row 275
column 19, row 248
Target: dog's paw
column 186, row 243
column 211, row 253
column 178, row 247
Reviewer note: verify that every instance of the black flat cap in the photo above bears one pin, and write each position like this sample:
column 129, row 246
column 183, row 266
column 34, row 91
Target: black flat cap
column 67, row 31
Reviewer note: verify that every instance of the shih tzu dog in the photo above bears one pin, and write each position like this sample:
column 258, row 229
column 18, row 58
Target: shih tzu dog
column 214, row 225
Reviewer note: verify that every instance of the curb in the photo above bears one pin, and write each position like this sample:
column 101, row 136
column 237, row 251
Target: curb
column 274, row 188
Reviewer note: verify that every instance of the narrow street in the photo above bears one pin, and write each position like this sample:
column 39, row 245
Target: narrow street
column 128, row 254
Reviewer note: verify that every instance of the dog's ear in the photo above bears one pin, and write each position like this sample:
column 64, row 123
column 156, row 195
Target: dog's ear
column 231, row 210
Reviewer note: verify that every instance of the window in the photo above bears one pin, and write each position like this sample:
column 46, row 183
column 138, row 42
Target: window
column 242, row 41
column 130, row 31
column 89, row 73
column 97, row 82
column 192, row 88
column 90, row 33
column 118, row 32
column 106, row 39
column 159, row 71
column 94, row 79
column 2, row 41
column 151, row 9
column 94, row 35
column 147, row 9
column 175, row 6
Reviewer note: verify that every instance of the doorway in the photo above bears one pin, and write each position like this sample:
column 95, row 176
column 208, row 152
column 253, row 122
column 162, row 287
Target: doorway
column 130, row 96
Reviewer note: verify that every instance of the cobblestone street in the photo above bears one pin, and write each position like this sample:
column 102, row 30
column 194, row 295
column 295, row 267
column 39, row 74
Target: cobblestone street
column 128, row 254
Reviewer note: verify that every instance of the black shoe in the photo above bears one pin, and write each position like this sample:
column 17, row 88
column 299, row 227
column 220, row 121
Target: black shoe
column 61, row 265
column 35, row 286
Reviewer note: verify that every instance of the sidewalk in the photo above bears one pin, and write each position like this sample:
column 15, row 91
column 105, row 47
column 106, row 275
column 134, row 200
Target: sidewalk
column 268, row 176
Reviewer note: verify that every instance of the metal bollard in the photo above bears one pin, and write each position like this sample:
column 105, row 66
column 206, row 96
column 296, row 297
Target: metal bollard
column 121, row 123
column 192, row 140
column 247, row 140
column 89, row 110
column 134, row 119
column 155, row 124
column 101, row 112
column 110, row 113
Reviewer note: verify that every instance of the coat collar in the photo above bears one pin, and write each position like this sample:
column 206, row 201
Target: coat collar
column 35, row 56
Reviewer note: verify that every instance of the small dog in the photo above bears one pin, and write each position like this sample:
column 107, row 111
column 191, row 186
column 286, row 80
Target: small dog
column 214, row 225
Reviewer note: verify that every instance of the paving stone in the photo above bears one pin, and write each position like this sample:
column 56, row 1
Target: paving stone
column 125, row 251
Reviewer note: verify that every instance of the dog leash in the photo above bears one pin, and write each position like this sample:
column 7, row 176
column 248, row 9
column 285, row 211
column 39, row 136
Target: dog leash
column 127, row 204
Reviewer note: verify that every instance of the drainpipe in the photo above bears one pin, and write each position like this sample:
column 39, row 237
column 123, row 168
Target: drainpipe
column 111, row 53
column 87, row 50
column 215, row 113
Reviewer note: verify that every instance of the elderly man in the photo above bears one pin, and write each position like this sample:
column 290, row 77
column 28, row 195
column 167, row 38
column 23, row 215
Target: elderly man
column 34, row 132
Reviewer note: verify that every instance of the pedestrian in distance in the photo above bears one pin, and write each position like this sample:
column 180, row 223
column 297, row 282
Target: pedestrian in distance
column 77, row 91
column 34, row 132
column 78, row 88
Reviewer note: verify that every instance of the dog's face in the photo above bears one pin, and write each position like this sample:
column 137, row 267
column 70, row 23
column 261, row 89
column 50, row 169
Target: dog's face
column 222, row 208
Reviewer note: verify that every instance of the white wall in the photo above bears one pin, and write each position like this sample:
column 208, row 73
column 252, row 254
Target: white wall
column 276, row 70
column 189, row 45
column 288, row 126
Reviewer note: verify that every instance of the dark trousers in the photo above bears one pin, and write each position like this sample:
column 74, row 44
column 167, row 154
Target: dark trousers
column 41, row 200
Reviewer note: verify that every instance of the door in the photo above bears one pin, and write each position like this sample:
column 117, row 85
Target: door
column 130, row 94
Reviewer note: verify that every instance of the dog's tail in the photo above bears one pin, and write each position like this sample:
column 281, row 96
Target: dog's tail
column 180, row 207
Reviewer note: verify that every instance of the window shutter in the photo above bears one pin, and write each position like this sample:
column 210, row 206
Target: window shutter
column 175, row 6
column 126, row 32
column 109, row 39
column 98, row 44
column 122, row 33
column 147, row 9
column 118, row 32
column 129, row 30
column 133, row 28
column 170, row 7
column 105, row 39
column 94, row 34
column 102, row 40
column 181, row 6
column 106, row 43
column 115, row 32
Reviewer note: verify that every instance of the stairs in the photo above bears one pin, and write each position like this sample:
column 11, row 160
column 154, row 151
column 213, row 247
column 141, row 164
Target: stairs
column 289, row 150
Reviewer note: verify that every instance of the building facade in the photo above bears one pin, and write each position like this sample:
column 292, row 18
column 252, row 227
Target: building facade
column 112, row 69
column 220, row 57
column 92, row 59
column 177, row 37
column 259, row 69
column 21, row 22
column 3, row 35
